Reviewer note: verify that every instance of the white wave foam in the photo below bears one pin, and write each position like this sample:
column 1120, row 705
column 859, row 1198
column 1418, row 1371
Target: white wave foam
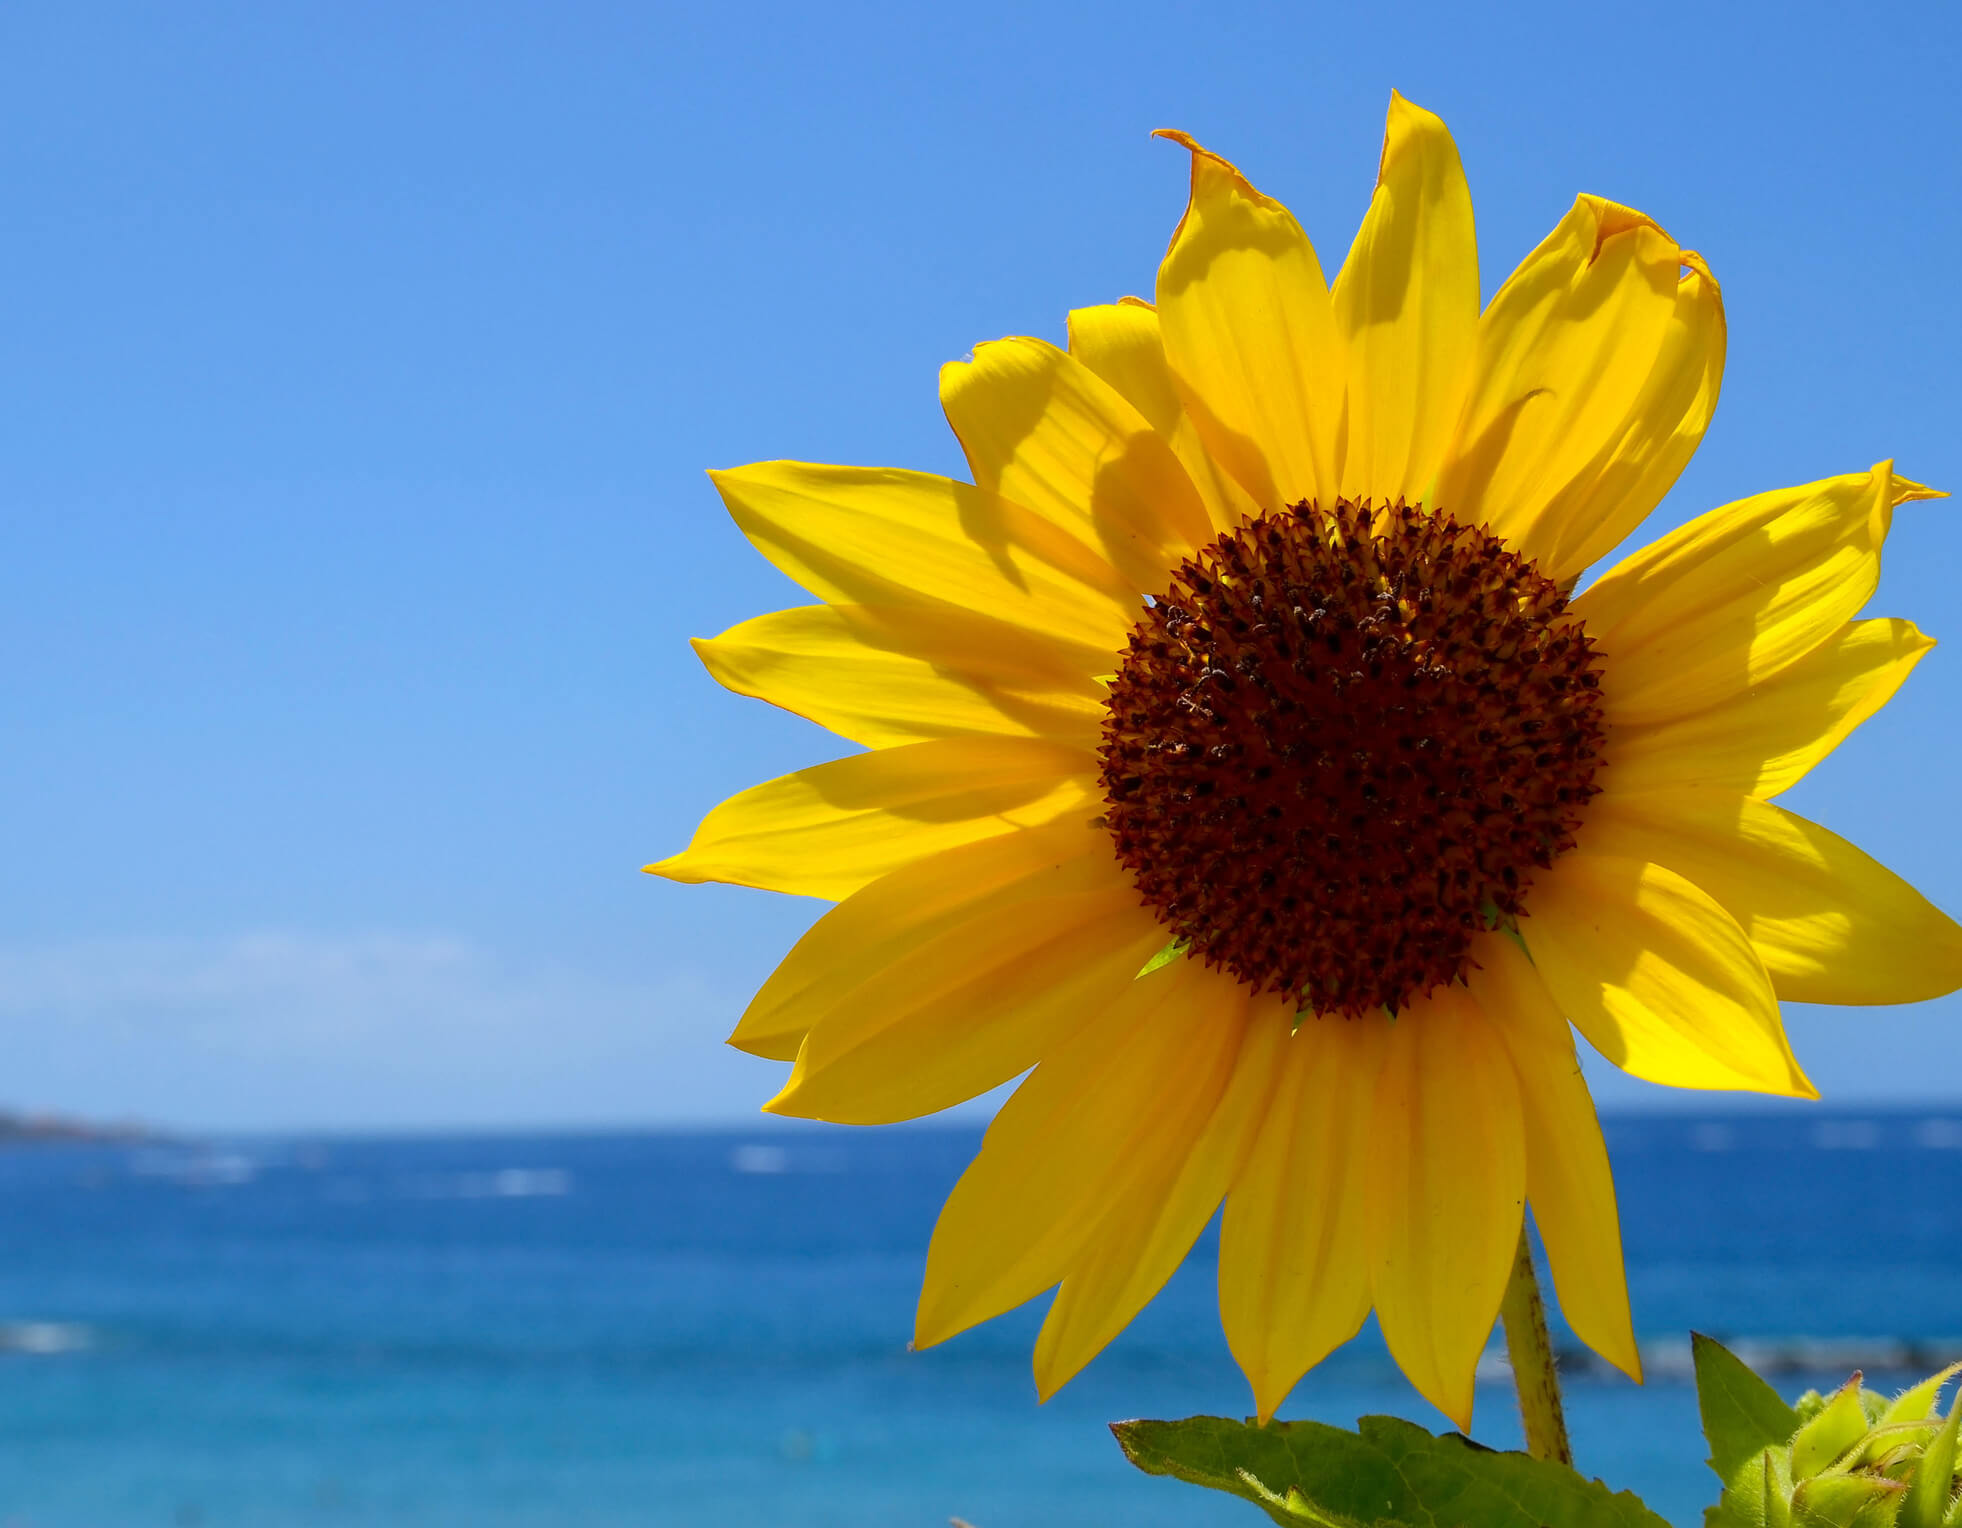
column 43, row 1337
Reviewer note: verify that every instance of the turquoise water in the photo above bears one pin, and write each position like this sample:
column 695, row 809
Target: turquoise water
column 711, row 1329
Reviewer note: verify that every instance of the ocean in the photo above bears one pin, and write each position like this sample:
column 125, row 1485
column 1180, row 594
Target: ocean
column 710, row 1328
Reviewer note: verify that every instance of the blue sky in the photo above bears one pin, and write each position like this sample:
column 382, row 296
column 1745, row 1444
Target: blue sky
column 359, row 365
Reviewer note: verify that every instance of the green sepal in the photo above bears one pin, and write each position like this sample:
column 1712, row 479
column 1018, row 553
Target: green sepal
column 1845, row 1501
column 1758, row 1494
column 1930, row 1491
column 1892, row 1442
column 1163, row 958
column 1776, row 1477
column 1388, row 1471
column 1829, row 1435
column 1918, row 1404
column 1742, row 1415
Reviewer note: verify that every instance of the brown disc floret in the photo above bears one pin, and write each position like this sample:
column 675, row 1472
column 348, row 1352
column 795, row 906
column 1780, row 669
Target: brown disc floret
column 1341, row 743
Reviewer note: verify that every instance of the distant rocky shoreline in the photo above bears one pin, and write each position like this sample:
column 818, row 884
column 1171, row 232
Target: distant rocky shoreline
column 28, row 1129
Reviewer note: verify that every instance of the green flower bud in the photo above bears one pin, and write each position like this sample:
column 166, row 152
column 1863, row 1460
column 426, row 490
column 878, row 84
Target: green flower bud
column 1854, row 1459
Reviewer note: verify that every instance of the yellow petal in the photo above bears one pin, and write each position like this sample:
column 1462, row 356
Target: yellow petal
column 876, row 536
column 1764, row 741
column 899, row 912
column 1447, row 1170
column 1831, row 925
column 1718, row 607
column 1120, row 342
column 827, row 831
column 1293, row 1270
column 1630, row 474
column 1250, row 336
column 1149, row 1229
column 1568, row 1182
column 1044, row 430
column 885, row 675
column 904, row 1024
column 1406, row 302
column 969, row 1011
column 1107, row 1109
column 1596, row 371
column 1658, row 976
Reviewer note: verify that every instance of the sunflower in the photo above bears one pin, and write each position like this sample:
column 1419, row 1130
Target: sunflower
column 1242, row 768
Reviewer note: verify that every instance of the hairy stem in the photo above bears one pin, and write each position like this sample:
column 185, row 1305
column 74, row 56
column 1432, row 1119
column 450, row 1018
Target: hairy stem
column 1531, row 1352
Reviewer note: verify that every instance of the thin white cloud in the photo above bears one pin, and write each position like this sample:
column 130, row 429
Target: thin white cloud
column 275, row 1030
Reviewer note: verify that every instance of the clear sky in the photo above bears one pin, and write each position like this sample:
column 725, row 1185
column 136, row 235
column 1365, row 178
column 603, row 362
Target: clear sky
column 358, row 368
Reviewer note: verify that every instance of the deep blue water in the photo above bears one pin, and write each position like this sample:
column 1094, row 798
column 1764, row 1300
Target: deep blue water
column 711, row 1329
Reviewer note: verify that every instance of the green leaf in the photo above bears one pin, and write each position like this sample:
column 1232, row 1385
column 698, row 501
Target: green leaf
column 1742, row 1415
column 1389, row 1472
column 1264, row 1465
column 1163, row 958
column 1934, row 1477
column 1465, row 1486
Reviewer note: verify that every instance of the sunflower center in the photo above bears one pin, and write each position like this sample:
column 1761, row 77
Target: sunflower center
column 1341, row 743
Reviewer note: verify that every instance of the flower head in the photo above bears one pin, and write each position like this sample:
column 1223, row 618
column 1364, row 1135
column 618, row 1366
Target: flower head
column 1241, row 767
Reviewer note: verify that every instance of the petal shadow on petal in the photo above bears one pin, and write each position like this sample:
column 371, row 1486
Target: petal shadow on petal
column 1029, row 443
column 1740, row 594
column 1251, row 461
column 1027, row 674
column 1491, row 447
